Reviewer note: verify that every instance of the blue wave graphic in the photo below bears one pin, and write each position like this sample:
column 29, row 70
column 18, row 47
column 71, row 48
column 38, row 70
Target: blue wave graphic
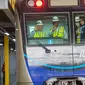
column 57, row 67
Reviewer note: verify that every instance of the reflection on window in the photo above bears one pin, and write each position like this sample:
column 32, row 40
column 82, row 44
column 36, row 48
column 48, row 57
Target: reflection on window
column 48, row 29
column 80, row 29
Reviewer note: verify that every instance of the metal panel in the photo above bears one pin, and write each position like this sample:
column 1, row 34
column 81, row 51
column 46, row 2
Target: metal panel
column 3, row 4
column 63, row 2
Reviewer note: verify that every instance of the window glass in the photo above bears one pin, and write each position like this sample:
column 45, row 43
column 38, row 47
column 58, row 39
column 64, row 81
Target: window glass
column 79, row 27
column 49, row 29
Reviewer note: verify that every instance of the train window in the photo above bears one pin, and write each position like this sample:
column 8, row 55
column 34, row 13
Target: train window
column 49, row 29
column 79, row 28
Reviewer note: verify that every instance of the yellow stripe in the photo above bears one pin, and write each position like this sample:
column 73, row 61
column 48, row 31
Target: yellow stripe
column 12, row 3
column 6, row 59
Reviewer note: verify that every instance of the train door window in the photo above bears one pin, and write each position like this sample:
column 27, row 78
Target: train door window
column 79, row 28
column 47, row 28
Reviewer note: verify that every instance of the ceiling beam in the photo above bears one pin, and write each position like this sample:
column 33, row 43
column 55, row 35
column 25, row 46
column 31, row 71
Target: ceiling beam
column 10, row 16
column 10, row 37
column 7, row 24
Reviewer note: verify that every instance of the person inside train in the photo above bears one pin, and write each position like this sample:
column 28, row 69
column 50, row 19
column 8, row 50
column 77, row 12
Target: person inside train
column 38, row 30
column 82, row 29
column 77, row 27
column 57, row 30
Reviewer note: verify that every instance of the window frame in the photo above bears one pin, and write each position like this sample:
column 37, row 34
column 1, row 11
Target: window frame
column 50, row 13
column 73, row 20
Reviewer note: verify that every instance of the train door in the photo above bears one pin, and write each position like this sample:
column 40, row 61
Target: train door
column 79, row 43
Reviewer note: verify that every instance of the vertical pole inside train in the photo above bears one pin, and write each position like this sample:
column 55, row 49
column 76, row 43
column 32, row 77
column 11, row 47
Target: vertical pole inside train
column 6, row 59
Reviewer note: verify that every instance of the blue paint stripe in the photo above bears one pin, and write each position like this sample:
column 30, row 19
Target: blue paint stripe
column 57, row 67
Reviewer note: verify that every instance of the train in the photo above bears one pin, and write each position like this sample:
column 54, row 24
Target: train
column 50, row 42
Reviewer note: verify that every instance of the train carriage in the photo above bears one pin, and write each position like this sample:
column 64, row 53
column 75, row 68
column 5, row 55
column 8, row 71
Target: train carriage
column 50, row 42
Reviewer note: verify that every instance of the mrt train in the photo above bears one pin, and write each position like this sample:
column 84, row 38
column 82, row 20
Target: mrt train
column 50, row 42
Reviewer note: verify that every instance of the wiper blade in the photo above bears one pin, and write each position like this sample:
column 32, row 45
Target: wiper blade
column 46, row 49
column 40, row 44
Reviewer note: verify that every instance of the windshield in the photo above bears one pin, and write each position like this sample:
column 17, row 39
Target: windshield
column 79, row 28
column 49, row 29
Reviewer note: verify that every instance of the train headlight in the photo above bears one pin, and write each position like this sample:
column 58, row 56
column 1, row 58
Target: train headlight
column 31, row 3
column 39, row 3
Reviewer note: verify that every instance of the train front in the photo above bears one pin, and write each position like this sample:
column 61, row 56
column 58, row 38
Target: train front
column 50, row 42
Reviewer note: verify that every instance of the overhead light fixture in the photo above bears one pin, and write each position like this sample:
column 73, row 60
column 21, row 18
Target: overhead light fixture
column 6, row 33
column 14, row 39
column 11, row 49
column 1, row 44
column 15, row 50
column 16, row 29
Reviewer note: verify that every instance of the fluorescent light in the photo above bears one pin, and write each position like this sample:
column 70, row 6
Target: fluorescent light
column 14, row 39
column 11, row 49
column 15, row 50
column 1, row 44
column 17, row 29
column 6, row 33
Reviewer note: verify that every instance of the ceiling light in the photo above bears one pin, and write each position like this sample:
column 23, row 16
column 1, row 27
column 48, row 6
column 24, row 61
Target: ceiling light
column 11, row 49
column 1, row 44
column 15, row 50
column 6, row 33
column 14, row 39
column 16, row 29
